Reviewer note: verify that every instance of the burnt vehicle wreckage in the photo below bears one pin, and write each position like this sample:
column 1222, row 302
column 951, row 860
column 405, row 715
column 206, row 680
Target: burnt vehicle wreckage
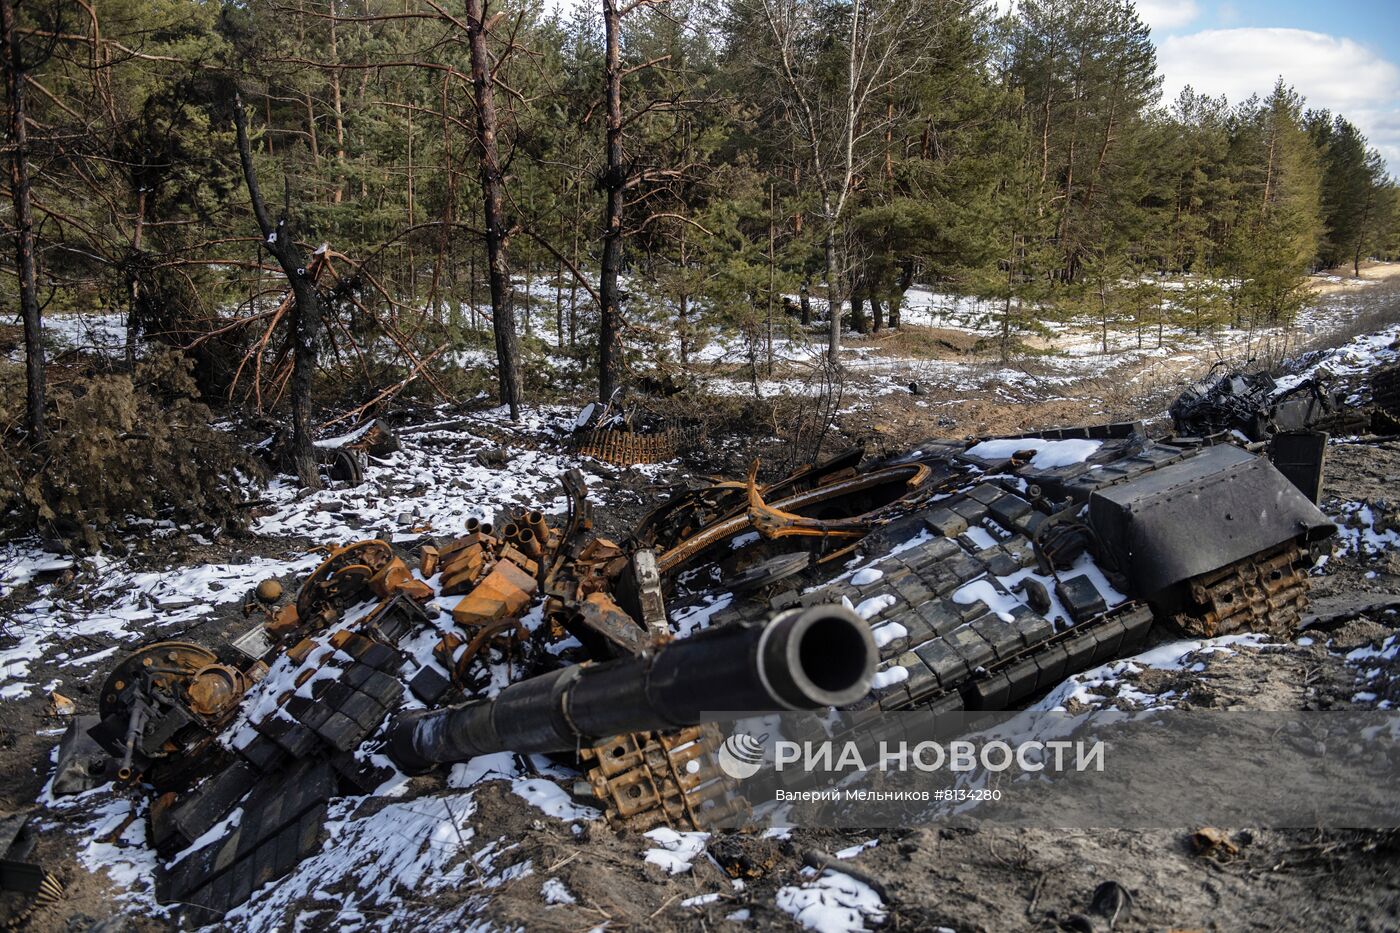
column 1289, row 420
column 959, row 575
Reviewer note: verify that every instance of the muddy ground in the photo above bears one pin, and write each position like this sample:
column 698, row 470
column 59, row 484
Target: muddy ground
column 992, row 879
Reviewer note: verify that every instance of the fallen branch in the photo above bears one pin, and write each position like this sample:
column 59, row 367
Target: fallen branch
column 388, row 393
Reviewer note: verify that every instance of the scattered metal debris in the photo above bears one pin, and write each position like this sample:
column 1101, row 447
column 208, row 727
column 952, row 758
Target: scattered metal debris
column 1257, row 407
column 24, row 886
column 959, row 575
column 1209, row 841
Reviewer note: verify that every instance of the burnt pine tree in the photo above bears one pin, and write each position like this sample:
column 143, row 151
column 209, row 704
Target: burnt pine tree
column 15, row 78
column 496, row 234
column 614, row 181
column 280, row 240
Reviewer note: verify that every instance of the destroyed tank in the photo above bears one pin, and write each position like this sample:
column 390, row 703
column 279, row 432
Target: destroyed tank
column 974, row 575
column 1257, row 407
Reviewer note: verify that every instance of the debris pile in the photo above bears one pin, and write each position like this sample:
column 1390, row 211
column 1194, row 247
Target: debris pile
column 958, row 575
column 1257, row 407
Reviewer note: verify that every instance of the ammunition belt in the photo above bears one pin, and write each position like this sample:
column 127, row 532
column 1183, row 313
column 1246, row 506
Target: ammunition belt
column 24, row 880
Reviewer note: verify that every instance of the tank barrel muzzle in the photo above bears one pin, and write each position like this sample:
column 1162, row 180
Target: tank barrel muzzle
column 802, row 659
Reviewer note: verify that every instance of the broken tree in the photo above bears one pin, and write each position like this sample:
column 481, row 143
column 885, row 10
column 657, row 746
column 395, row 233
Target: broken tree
column 280, row 240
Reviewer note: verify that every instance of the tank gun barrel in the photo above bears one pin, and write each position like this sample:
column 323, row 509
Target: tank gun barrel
column 801, row 659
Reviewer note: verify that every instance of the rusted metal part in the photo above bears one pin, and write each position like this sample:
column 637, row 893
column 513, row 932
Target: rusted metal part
column 781, row 517
column 505, row 633
column 395, row 577
column 535, row 521
column 600, row 615
column 686, row 514
column 581, row 601
column 462, row 563
column 342, row 577
column 626, row 448
column 163, row 704
column 838, row 467
column 650, row 779
column 506, row 591
column 427, row 560
column 1263, row 593
column 214, row 691
column 348, row 576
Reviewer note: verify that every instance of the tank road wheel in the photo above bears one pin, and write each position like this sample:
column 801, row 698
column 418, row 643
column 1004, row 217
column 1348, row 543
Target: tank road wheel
column 168, row 666
column 342, row 576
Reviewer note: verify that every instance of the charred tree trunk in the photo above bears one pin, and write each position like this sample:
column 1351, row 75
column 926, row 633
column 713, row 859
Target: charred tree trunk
column 804, row 298
column 858, row 321
column 906, row 281
column 683, row 318
column 24, row 224
column 497, row 261
column 877, row 314
column 280, row 240
column 614, row 180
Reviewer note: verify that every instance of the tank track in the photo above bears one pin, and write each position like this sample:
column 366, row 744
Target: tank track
column 650, row 779
column 625, row 448
column 1266, row 593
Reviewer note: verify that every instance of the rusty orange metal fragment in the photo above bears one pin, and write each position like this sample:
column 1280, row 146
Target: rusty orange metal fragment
column 428, row 560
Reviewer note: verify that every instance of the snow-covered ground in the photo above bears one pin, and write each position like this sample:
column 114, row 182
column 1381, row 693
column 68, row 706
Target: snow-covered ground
column 382, row 859
column 1066, row 350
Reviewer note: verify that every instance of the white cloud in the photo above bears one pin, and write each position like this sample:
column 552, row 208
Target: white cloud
column 1166, row 15
column 1339, row 74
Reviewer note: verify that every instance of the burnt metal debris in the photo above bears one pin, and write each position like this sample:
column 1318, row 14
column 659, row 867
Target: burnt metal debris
column 24, row 885
column 1290, row 423
column 958, row 575
column 1257, row 407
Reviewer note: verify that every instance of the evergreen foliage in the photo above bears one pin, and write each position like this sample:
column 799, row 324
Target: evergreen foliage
column 1026, row 159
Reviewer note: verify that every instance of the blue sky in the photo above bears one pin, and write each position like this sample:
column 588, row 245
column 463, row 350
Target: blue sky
column 1343, row 55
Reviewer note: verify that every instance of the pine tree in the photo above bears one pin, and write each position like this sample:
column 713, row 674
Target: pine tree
column 1274, row 242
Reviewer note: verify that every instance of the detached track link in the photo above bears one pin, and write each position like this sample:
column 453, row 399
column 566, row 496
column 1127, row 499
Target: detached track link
column 650, row 779
column 1265, row 593
column 625, row 448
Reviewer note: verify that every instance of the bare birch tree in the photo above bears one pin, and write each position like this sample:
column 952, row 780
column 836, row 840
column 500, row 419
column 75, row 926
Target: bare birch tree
column 882, row 42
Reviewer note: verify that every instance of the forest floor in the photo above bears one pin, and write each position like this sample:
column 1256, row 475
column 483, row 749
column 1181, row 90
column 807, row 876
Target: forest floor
column 498, row 844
